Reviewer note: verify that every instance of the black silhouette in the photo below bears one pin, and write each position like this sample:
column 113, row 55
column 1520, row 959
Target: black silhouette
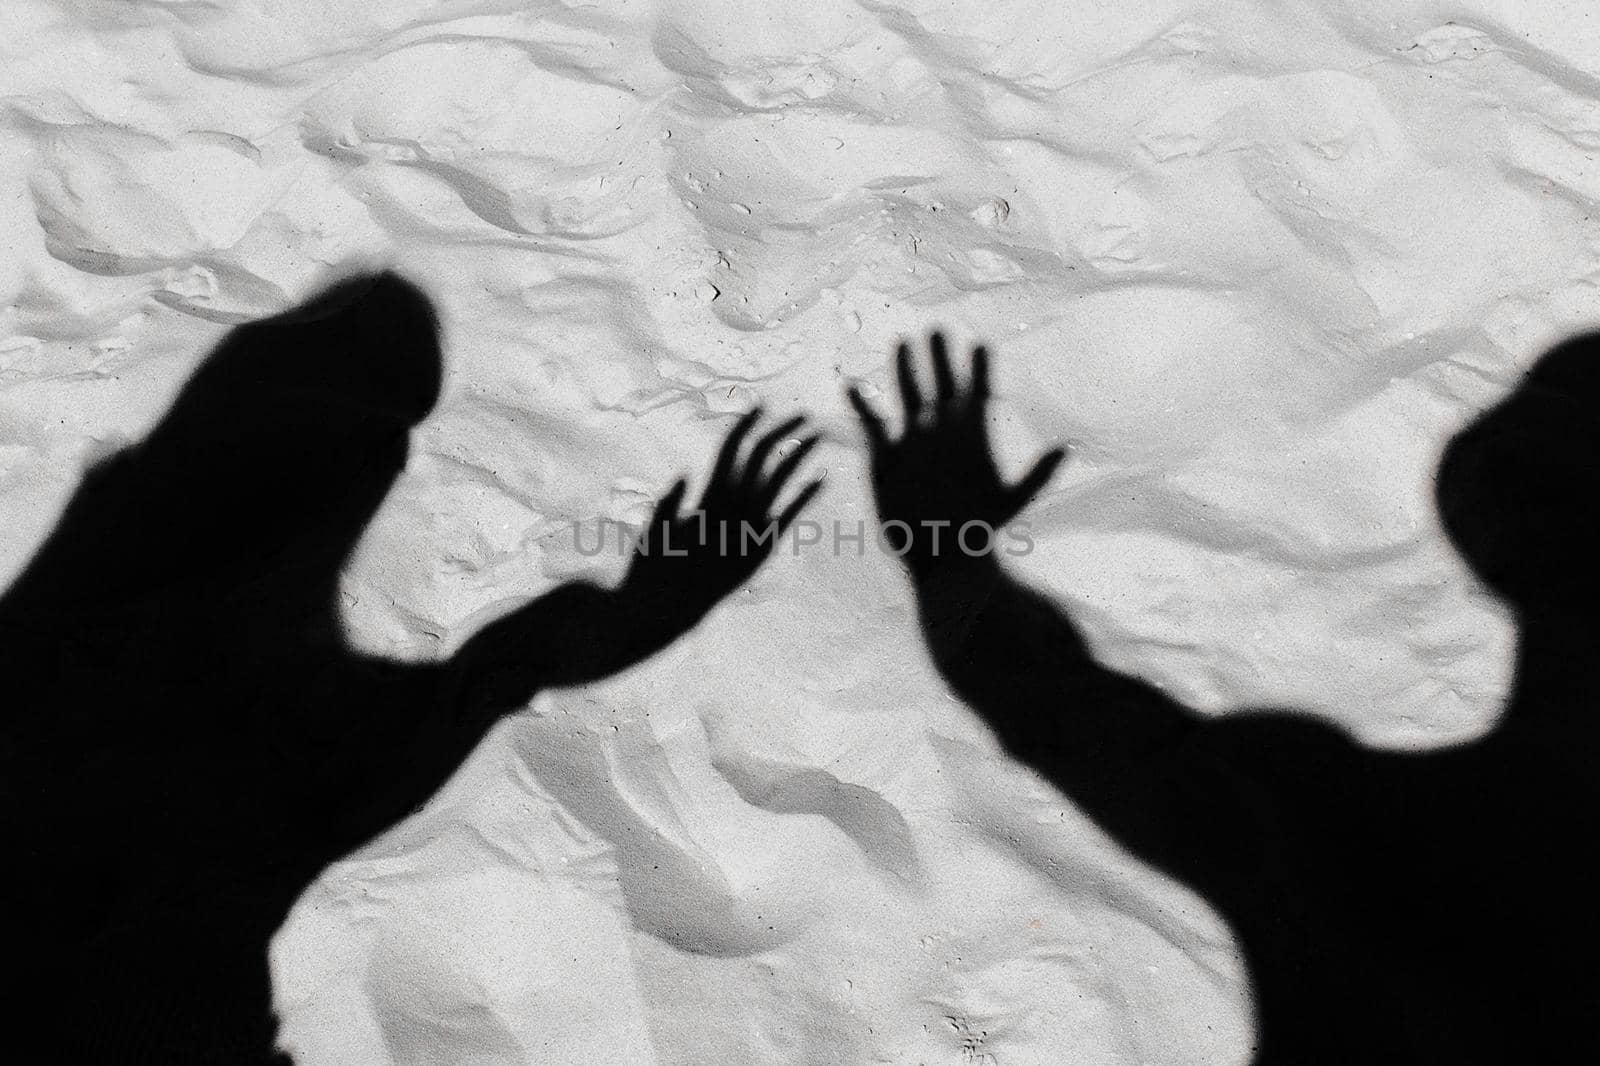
column 188, row 738
column 1392, row 907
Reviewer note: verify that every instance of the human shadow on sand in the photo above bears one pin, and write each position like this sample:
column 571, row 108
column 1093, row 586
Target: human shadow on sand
column 189, row 739
column 1429, row 907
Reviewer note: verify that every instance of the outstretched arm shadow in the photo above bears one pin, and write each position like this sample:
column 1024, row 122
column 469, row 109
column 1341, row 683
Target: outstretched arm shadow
column 190, row 740
column 1006, row 650
column 1381, row 900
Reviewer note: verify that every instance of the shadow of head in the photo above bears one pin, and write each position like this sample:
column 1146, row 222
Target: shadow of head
column 291, row 433
column 1517, row 488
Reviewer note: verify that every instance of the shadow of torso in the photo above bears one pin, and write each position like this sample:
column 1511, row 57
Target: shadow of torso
column 190, row 739
column 1424, row 908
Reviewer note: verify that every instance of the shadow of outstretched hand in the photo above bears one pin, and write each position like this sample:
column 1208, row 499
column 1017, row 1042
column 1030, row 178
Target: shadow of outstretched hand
column 683, row 565
column 940, row 474
column 687, row 562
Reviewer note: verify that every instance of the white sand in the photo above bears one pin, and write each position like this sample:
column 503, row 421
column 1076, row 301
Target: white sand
column 1254, row 259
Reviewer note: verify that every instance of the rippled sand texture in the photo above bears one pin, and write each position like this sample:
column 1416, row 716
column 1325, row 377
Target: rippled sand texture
column 1253, row 260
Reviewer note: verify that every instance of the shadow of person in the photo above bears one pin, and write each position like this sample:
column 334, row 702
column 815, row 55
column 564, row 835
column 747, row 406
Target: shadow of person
column 1428, row 907
column 190, row 740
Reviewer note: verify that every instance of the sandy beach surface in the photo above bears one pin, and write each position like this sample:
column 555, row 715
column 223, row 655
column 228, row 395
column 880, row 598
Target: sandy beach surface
column 1252, row 262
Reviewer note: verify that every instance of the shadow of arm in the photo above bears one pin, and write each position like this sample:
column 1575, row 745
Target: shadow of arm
column 1112, row 743
column 573, row 635
column 1219, row 802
